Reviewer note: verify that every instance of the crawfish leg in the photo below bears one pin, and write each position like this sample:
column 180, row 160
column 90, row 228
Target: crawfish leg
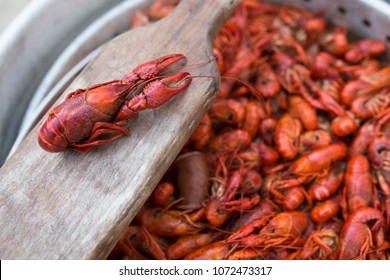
column 322, row 244
column 99, row 130
column 152, row 245
column 76, row 92
column 129, row 250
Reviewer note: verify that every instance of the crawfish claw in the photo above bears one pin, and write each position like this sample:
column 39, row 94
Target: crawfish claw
column 160, row 91
column 154, row 95
column 152, row 68
column 164, row 61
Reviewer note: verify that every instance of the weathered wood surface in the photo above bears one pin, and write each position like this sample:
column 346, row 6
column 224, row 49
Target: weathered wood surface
column 75, row 206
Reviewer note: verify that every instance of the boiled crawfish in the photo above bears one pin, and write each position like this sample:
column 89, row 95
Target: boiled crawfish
column 96, row 115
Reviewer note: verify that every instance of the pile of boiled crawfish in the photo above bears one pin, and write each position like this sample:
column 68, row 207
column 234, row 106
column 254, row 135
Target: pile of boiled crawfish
column 301, row 172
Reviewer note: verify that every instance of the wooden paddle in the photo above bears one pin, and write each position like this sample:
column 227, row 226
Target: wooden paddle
column 75, row 206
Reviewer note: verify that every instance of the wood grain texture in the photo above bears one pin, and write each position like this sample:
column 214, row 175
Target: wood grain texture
column 75, row 206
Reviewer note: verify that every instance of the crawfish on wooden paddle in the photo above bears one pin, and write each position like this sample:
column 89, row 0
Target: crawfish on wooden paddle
column 96, row 115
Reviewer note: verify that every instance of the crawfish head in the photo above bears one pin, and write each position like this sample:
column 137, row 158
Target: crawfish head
column 362, row 230
column 284, row 228
column 379, row 152
column 286, row 223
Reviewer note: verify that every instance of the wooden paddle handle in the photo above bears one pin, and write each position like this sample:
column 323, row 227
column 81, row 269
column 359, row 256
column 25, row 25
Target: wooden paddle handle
column 210, row 15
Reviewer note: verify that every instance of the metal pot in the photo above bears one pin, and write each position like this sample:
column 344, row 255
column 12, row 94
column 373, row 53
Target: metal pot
column 28, row 47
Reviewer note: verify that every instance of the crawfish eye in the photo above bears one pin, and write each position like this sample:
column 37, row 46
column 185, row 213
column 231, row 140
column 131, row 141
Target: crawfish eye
column 271, row 231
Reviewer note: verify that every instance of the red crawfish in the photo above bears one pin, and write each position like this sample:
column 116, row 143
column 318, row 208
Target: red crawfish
column 247, row 181
column 287, row 134
column 189, row 243
column 319, row 159
column 363, row 138
column 231, row 141
column 295, row 78
column 334, row 41
column 267, row 130
column 247, row 222
column 96, row 115
column 248, row 254
column 162, row 195
column 343, row 126
column 325, row 67
column 267, row 81
column 383, row 124
column 365, row 48
column 218, row 250
column 322, row 243
column 202, row 134
column 223, row 201
column 137, row 241
column 228, row 111
column 378, row 152
column 254, row 113
column 286, row 228
column 324, row 211
column 287, row 192
column 326, row 186
column 385, row 188
column 167, row 223
column 313, row 139
column 358, row 188
column 369, row 82
column 301, row 109
column 367, row 66
column 293, row 197
column 361, row 232
column 368, row 105
column 257, row 155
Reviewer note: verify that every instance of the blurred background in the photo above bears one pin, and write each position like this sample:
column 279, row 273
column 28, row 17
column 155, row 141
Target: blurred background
column 9, row 9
